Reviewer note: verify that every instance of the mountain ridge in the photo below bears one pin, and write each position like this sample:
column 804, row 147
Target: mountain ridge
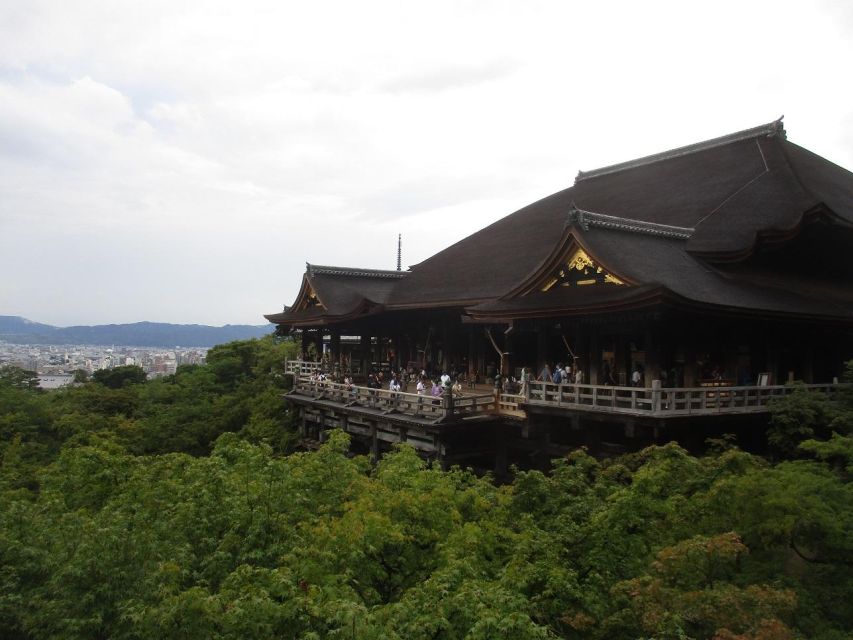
column 20, row 330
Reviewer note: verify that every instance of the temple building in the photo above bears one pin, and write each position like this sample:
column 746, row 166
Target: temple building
column 726, row 263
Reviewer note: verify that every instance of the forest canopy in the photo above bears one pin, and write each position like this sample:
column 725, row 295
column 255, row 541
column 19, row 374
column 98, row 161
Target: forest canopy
column 177, row 508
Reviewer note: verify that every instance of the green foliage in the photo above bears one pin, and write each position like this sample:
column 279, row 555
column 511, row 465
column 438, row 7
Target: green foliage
column 119, row 377
column 174, row 509
column 17, row 378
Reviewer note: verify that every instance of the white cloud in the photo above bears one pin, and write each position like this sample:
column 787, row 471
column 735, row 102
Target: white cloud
column 181, row 161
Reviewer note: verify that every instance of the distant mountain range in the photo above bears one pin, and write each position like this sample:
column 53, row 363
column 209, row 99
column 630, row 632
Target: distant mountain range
column 138, row 334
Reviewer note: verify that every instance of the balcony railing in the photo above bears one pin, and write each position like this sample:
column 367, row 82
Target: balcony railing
column 664, row 402
column 637, row 401
column 302, row 367
column 435, row 408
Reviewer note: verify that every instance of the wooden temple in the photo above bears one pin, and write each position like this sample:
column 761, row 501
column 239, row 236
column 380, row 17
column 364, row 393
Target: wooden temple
column 722, row 268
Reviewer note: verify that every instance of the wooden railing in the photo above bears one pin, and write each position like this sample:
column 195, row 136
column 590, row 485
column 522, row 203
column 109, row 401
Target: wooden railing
column 301, row 367
column 664, row 402
column 655, row 401
column 437, row 408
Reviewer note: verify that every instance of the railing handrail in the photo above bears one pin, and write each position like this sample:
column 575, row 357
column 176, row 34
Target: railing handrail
column 650, row 401
column 401, row 401
column 666, row 401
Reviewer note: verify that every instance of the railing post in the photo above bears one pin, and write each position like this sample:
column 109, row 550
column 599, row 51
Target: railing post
column 656, row 395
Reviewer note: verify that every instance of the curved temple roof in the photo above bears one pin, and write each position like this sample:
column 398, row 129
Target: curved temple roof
column 682, row 225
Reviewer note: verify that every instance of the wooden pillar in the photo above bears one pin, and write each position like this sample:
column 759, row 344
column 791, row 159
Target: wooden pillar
column 472, row 352
column 773, row 358
column 578, row 343
column 501, row 457
column 304, row 344
column 653, row 356
column 365, row 355
column 445, row 346
column 542, row 354
column 691, row 369
column 318, row 344
column 335, row 348
column 594, row 358
column 509, row 359
column 619, row 358
column 374, row 443
column 808, row 365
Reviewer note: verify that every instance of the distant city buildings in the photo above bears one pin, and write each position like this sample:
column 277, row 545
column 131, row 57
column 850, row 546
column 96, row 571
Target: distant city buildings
column 55, row 364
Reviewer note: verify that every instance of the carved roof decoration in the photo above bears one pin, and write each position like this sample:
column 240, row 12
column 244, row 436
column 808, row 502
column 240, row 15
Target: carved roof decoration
column 307, row 298
column 586, row 219
column 578, row 271
column 769, row 130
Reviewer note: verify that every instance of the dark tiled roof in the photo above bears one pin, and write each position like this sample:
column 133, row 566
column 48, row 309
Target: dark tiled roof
column 660, row 222
column 667, row 270
column 343, row 292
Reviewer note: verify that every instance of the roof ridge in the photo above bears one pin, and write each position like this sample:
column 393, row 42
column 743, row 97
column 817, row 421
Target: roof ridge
column 314, row 269
column 768, row 130
column 587, row 219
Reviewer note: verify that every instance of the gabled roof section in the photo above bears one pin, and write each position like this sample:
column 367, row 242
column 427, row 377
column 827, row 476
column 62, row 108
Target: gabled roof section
column 332, row 294
column 768, row 130
column 571, row 263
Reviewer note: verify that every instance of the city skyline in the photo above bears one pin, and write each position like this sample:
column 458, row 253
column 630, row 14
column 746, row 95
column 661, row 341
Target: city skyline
column 181, row 163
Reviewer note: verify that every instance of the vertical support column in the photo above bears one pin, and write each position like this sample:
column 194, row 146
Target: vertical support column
column 374, row 443
column 304, row 351
column 593, row 357
column 501, row 457
column 541, row 347
column 365, row 355
column 773, row 358
column 509, row 359
column 472, row 352
column 318, row 344
column 653, row 356
column 619, row 358
column 691, row 369
column 445, row 346
column 578, row 343
column 808, row 365
column 335, row 348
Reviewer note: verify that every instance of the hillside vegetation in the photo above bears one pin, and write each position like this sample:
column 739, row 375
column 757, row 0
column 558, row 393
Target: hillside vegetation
column 175, row 508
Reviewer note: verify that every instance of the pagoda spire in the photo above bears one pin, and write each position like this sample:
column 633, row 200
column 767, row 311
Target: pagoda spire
column 399, row 250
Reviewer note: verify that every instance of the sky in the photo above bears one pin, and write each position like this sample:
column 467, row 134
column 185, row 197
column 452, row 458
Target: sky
column 180, row 161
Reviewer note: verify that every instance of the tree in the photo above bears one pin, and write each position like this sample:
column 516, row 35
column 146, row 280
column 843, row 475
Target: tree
column 119, row 377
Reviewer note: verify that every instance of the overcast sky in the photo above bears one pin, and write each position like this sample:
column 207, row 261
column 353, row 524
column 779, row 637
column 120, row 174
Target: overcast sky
column 181, row 161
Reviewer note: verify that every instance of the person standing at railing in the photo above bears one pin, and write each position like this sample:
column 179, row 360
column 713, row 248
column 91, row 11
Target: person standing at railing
column 421, row 387
column 524, row 380
column 579, row 376
column 372, row 386
column 393, row 386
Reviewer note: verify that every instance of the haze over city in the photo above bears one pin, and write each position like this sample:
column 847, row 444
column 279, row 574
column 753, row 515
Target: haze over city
column 180, row 163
